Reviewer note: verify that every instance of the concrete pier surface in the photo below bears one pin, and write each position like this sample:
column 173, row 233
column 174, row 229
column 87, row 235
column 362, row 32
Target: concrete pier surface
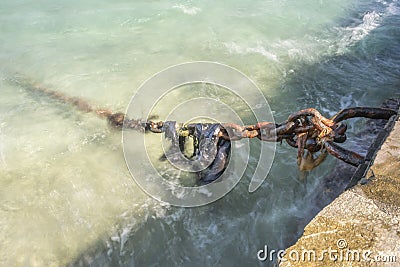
column 361, row 227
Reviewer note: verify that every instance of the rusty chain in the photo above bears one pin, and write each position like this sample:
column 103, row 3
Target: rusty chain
column 306, row 129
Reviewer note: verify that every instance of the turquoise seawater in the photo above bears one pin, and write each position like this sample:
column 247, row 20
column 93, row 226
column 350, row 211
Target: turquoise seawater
column 66, row 196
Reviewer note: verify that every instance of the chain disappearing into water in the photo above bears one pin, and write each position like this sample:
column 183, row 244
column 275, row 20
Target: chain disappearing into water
column 307, row 130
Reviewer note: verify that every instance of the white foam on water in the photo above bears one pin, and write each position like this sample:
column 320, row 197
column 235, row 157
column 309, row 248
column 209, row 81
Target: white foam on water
column 346, row 101
column 371, row 21
column 205, row 192
column 353, row 34
column 234, row 48
column 187, row 10
column 303, row 51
